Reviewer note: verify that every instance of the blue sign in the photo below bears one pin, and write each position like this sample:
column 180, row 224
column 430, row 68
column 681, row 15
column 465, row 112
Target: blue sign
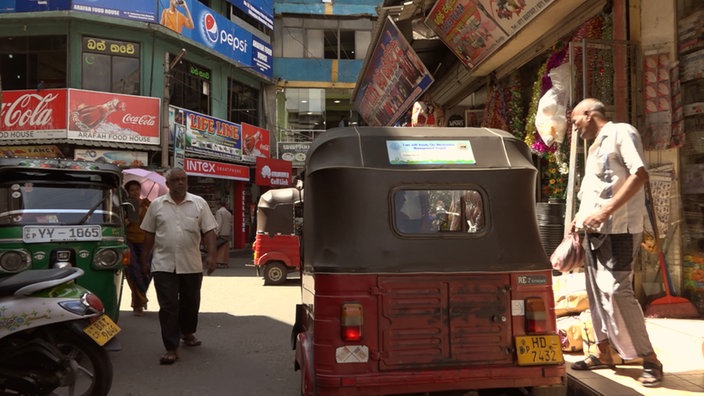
column 204, row 26
column 261, row 10
column 33, row 5
column 139, row 10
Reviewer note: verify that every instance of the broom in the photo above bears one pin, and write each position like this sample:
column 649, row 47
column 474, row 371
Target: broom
column 668, row 306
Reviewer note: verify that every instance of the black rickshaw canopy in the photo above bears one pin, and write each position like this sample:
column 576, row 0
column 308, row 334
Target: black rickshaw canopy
column 355, row 175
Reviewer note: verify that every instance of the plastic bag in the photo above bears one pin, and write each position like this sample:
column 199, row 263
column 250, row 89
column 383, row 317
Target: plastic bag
column 551, row 117
column 569, row 254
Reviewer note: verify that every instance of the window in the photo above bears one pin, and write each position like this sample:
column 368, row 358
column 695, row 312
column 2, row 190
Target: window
column 432, row 211
column 322, row 39
column 342, row 48
column 110, row 66
column 33, row 62
column 243, row 103
column 190, row 87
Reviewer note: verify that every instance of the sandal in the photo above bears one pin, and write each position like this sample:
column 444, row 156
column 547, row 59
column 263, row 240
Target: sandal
column 170, row 357
column 191, row 341
column 652, row 374
column 591, row 363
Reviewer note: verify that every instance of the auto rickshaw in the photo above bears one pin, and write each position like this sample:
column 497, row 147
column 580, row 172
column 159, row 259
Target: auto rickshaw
column 62, row 213
column 277, row 246
column 423, row 267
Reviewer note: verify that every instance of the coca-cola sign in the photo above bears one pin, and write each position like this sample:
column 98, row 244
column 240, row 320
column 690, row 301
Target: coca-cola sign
column 33, row 114
column 113, row 117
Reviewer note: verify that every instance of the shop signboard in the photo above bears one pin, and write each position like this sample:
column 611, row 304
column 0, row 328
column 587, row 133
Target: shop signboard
column 33, row 114
column 218, row 170
column 140, row 10
column 33, row 5
column 474, row 29
column 273, row 172
column 261, row 10
column 111, row 117
column 393, row 80
column 255, row 143
column 218, row 33
column 48, row 151
column 131, row 159
column 295, row 152
column 209, row 136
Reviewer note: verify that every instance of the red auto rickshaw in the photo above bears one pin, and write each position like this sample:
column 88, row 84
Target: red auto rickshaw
column 277, row 245
column 423, row 266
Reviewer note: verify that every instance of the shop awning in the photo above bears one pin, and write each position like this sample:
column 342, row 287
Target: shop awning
column 454, row 81
column 90, row 143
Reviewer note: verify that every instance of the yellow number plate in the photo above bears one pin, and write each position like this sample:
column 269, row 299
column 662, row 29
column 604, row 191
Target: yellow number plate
column 539, row 349
column 102, row 330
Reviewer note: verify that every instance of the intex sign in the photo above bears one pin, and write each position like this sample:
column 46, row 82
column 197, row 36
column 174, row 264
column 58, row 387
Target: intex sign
column 33, row 114
column 197, row 167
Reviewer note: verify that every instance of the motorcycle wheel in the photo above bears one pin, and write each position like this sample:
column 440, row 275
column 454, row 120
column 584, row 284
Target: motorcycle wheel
column 90, row 373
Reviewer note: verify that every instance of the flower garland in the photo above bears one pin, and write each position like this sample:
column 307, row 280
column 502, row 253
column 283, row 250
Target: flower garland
column 515, row 107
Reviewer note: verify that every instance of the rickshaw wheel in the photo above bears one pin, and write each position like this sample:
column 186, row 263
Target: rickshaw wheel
column 275, row 273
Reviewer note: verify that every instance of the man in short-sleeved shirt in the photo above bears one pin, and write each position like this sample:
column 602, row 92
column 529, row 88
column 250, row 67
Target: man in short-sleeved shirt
column 611, row 211
column 173, row 226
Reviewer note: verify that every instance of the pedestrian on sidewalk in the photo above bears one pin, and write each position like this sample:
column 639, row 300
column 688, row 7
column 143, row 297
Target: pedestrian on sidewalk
column 611, row 211
column 224, row 232
column 173, row 226
column 138, row 277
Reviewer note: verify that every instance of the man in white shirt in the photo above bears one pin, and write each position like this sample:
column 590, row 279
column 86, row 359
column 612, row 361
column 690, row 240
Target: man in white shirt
column 173, row 227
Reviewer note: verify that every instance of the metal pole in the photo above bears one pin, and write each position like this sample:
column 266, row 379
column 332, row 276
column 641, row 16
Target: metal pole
column 165, row 113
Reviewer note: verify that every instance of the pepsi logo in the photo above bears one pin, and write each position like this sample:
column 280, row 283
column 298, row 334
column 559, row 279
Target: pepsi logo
column 210, row 27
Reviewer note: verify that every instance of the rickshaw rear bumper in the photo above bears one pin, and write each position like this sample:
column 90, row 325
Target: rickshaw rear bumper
column 440, row 380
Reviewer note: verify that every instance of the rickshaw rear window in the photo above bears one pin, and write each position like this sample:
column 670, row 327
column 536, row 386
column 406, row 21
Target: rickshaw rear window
column 435, row 211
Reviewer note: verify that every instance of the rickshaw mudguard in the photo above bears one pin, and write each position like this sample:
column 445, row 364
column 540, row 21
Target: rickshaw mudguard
column 273, row 256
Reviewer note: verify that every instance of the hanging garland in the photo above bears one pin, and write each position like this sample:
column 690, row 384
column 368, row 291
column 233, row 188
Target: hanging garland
column 515, row 107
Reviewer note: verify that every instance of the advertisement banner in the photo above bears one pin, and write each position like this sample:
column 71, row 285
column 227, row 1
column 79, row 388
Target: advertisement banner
column 113, row 117
column 130, row 159
column 294, row 152
column 33, row 114
column 474, row 29
column 261, row 10
column 139, row 10
column 33, row 5
column 466, row 29
column 31, row 151
column 393, row 80
column 204, row 26
column 218, row 170
column 273, row 173
column 209, row 136
column 177, row 135
column 255, row 142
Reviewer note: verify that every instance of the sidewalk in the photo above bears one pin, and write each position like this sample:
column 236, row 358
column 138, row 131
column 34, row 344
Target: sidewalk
column 679, row 344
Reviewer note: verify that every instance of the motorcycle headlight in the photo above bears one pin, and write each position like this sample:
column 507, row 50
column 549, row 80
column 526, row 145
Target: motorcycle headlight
column 107, row 259
column 15, row 261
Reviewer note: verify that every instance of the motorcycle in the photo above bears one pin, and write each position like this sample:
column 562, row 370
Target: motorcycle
column 51, row 335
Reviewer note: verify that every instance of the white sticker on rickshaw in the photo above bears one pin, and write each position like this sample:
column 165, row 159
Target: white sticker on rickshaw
column 352, row 354
column 424, row 152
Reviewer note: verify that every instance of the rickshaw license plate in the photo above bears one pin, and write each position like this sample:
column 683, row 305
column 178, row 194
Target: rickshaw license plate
column 539, row 349
column 102, row 330
column 37, row 234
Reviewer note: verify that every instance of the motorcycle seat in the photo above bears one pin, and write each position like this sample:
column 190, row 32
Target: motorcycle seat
column 9, row 285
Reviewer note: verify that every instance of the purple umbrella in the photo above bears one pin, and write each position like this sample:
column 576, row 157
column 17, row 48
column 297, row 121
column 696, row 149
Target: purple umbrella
column 153, row 184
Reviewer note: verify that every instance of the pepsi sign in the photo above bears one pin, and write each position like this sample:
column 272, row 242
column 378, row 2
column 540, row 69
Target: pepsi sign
column 227, row 38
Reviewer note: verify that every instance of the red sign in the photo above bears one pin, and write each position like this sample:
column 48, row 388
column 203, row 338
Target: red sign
column 255, row 142
column 111, row 117
column 33, row 114
column 273, row 172
column 218, row 170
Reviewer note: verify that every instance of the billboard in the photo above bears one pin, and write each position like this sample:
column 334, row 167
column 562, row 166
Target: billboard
column 209, row 136
column 393, row 80
column 261, row 10
column 474, row 29
column 139, row 10
column 112, row 117
column 199, row 23
column 255, row 142
column 33, row 114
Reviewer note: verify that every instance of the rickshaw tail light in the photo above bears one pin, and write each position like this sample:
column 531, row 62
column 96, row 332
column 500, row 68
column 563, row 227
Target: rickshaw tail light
column 351, row 321
column 536, row 315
